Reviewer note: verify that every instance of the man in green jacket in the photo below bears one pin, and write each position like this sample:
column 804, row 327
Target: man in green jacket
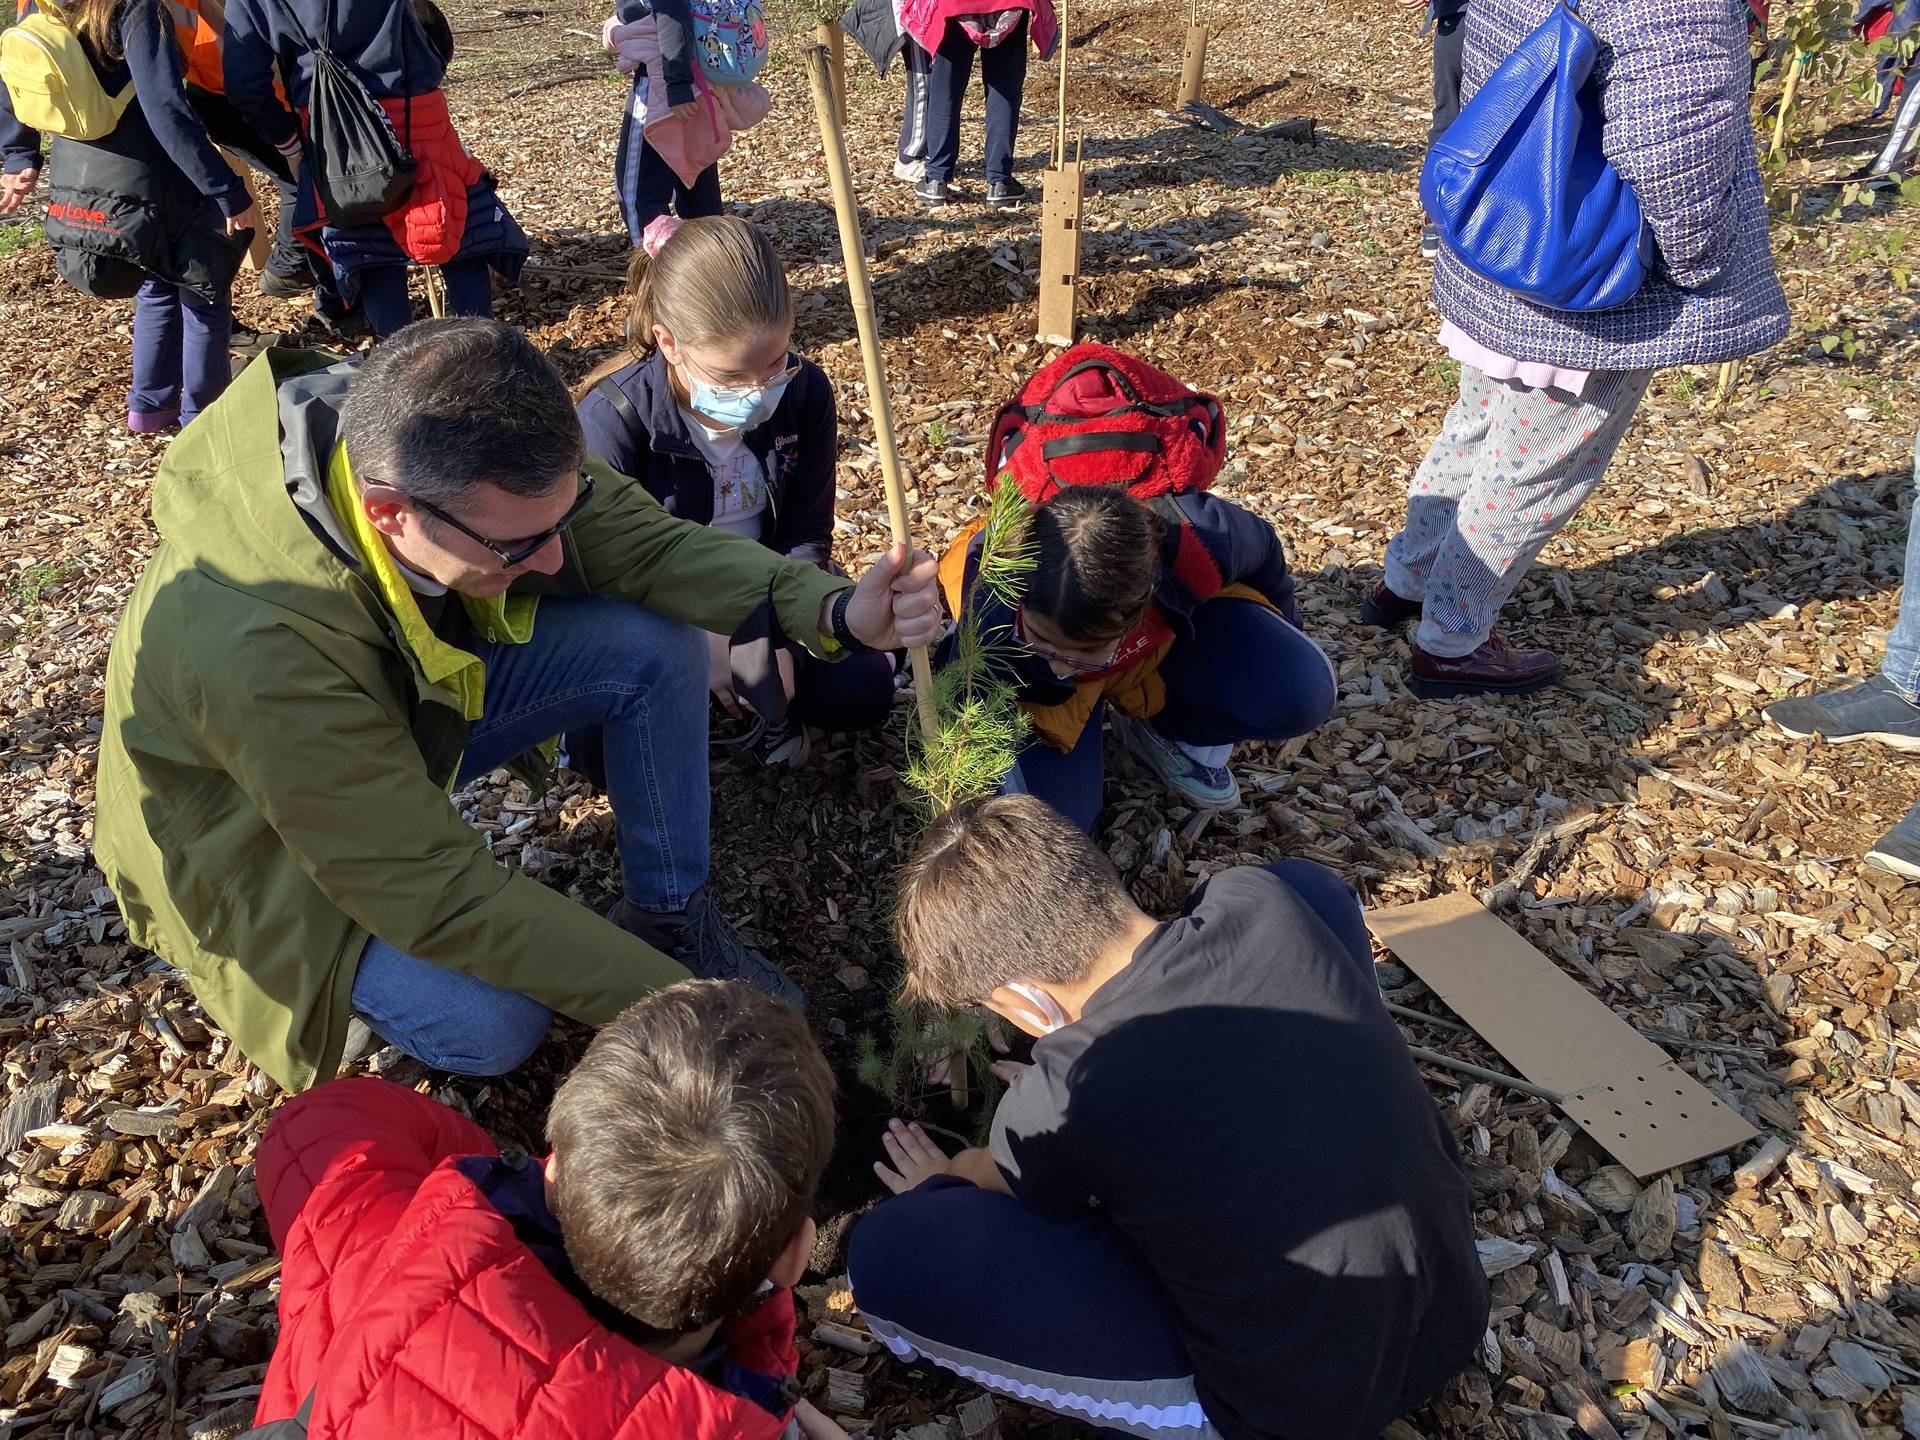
column 340, row 628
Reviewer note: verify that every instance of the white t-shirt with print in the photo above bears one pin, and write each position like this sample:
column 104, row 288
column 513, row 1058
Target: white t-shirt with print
column 739, row 481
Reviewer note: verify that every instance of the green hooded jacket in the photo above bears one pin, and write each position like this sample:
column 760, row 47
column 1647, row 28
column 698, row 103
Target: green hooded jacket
column 274, row 767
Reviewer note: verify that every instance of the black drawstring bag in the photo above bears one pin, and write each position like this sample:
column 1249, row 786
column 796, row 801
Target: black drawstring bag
column 361, row 171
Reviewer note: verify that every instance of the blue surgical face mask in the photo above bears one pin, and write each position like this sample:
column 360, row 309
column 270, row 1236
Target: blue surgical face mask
column 737, row 407
column 1046, row 1012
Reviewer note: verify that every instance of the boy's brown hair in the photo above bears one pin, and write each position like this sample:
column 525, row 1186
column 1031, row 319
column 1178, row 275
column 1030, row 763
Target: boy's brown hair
column 688, row 1144
column 1004, row 888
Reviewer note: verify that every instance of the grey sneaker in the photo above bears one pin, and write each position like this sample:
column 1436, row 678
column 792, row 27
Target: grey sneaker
column 700, row 938
column 1899, row 849
column 1210, row 787
column 1873, row 711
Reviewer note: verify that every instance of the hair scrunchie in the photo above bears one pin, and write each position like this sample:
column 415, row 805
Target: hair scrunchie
column 659, row 230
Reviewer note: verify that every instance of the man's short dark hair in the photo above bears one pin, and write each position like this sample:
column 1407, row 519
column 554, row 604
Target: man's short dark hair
column 688, row 1145
column 1004, row 888
column 443, row 406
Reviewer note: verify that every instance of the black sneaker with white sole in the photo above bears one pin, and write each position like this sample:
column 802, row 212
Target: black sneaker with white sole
column 933, row 192
column 1899, row 849
column 1429, row 242
column 1871, row 711
column 1005, row 194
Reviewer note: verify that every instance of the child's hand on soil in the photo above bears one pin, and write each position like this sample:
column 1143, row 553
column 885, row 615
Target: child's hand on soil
column 915, row 1158
column 814, row 1425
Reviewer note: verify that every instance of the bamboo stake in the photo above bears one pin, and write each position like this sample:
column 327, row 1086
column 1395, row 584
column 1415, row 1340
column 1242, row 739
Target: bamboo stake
column 1729, row 378
column 436, row 292
column 1060, row 129
column 1786, row 103
column 829, row 34
column 866, row 321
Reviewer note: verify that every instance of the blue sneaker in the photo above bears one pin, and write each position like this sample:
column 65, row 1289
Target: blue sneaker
column 1899, row 849
column 1873, row 711
column 1210, row 787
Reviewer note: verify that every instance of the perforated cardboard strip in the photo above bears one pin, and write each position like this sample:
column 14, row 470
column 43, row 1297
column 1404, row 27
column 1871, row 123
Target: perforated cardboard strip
column 1617, row 1085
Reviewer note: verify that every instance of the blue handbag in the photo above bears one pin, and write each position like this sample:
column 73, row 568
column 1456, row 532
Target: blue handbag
column 1519, row 188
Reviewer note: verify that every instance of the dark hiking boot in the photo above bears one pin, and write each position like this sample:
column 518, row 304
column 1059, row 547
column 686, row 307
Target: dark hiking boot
column 286, row 286
column 1387, row 610
column 700, row 938
column 933, row 192
column 1493, row 669
column 1873, row 711
column 1006, row 194
column 1899, row 849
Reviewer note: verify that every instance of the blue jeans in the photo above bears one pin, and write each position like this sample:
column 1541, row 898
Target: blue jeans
column 1245, row 675
column 1003, row 70
column 1093, row 1336
column 627, row 688
column 181, row 363
column 1902, row 663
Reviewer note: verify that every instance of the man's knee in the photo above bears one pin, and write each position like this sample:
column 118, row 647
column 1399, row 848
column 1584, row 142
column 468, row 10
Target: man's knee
column 499, row 1039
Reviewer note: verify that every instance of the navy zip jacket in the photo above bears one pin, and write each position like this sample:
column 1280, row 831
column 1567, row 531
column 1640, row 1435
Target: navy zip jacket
column 152, row 61
column 673, row 23
column 1242, row 547
column 379, row 41
column 648, row 438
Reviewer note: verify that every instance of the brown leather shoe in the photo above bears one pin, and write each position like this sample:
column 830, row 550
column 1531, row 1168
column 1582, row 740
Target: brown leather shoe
column 1384, row 608
column 1492, row 669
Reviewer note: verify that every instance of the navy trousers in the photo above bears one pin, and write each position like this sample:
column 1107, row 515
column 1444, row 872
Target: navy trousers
column 1003, row 70
column 1246, row 675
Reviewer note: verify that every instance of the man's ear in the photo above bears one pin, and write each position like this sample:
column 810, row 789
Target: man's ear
column 791, row 1263
column 1016, row 1009
column 551, row 1171
column 386, row 509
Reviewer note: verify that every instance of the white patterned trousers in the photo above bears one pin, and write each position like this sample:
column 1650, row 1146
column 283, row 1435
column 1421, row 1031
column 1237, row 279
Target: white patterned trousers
column 1510, row 467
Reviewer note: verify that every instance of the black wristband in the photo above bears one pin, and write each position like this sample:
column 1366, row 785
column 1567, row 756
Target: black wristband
column 837, row 616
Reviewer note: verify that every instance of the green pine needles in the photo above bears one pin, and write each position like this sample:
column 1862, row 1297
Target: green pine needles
column 980, row 729
column 981, row 724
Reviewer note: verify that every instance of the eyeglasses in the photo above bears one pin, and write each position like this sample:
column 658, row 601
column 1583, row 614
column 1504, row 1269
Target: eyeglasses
column 509, row 552
column 1054, row 657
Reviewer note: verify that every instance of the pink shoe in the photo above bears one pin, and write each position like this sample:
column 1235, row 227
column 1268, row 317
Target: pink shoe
column 152, row 422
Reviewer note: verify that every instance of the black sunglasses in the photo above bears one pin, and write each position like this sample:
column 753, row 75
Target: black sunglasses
column 521, row 550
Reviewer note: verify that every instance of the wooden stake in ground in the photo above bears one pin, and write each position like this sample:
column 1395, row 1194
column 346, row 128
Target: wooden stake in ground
column 1193, row 64
column 866, row 321
column 1061, row 198
column 834, row 41
column 436, row 292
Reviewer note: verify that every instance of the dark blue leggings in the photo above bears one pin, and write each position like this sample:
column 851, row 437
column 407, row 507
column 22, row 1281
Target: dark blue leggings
column 1245, row 675
column 1092, row 1334
column 383, row 293
column 1003, row 70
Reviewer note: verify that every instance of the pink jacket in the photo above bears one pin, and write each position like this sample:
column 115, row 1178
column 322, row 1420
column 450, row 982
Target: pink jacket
column 688, row 146
column 926, row 20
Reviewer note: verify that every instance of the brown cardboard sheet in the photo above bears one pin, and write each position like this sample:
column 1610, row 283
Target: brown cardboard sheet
column 1620, row 1087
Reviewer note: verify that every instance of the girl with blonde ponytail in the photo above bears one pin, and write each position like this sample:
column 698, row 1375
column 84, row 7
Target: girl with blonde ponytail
column 722, row 423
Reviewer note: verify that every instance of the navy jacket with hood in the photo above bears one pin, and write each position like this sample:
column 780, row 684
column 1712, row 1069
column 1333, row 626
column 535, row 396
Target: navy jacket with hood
column 648, row 437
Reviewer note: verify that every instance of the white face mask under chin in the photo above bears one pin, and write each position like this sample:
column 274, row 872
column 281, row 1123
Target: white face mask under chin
column 1046, row 1010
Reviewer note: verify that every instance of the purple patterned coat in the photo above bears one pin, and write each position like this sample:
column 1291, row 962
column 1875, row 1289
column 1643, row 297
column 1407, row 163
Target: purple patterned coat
column 1673, row 77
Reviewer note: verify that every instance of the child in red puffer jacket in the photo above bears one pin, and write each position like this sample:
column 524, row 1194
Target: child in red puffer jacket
column 636, row 1283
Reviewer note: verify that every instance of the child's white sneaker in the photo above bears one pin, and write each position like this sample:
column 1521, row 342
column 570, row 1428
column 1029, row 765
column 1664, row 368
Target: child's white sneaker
column 911, row 171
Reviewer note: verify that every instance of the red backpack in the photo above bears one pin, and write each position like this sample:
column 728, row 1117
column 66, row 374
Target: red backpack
column 1099, row 416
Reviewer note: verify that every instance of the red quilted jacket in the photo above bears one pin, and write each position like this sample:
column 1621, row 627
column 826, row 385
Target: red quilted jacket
column 411, row 1311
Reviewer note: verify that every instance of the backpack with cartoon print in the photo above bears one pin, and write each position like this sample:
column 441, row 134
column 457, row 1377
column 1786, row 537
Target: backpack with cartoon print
column 729, row 40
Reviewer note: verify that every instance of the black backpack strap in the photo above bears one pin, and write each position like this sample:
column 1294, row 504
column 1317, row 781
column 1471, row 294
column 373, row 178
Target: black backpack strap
column 616, row 397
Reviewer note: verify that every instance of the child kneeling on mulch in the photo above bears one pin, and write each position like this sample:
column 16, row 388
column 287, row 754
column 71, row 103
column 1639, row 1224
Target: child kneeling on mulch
column 1219, row 1202
column 636, row 1283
